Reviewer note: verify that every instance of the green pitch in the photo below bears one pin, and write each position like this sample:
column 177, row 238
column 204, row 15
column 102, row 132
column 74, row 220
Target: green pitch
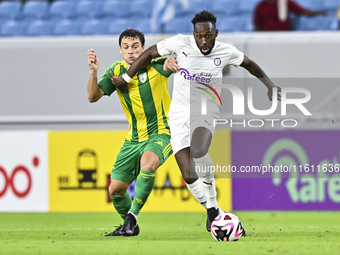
column 168, row 233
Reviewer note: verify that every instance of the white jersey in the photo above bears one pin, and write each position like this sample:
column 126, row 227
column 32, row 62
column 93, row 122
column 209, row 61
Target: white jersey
column 196, row 68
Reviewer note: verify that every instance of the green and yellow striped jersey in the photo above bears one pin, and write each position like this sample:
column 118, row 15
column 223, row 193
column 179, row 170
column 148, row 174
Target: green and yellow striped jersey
column 147, row 102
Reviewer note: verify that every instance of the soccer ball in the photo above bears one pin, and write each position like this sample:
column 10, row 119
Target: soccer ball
column 226, row 227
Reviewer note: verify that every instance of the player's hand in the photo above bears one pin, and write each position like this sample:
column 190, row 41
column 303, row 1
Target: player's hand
column 171, row 64
column 92, row 60
column 119, row 82
column 270, row 93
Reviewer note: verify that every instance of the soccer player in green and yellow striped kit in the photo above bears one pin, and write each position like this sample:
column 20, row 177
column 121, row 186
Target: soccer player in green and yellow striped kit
column 147, row 145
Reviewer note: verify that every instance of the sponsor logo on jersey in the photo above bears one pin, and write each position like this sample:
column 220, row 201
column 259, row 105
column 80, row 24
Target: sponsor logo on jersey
column 210, row 89
column 201, row 77
column 217, row 61
column 142, row 77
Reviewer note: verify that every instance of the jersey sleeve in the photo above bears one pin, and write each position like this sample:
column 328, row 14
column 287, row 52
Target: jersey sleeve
column 158, row 65
column 236, row 57
column 105, row 82
column 167, row 46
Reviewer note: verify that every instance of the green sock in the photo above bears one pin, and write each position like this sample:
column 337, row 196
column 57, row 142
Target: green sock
column 144, row 186
column 122, row 204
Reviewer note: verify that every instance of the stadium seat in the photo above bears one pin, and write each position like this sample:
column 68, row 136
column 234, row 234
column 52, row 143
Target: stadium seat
column 93, row 27
column 35, row 10
column 312, row 23
column 225, row 7
column 313, row 5
column 66, row 28
column 62, row 10
column 332, row 23
column 117, row 26
column 141, row 8
column 39, row 28
column 144, row 26
column 194, row 7
column 178, row 25
column 231, row 24
column 12, row 28
column 89, row 9
column 248, row 22
column 248, row 7
column 10, row 9
column 330, row 5
column 115, row 9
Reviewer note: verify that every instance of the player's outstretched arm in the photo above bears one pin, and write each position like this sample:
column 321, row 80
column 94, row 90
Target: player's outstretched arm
column 139, row 63
column 94, row 92
column 257, row 71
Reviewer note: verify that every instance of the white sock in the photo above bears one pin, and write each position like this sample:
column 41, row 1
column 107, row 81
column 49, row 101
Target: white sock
column 208, row 180
column 136, row 216
column 195, row 189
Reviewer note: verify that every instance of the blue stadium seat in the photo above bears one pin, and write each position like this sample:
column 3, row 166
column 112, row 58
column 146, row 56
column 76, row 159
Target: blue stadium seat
column 141, row 8
column 332, row 23
column 231, row 24
column 10, row 9
column 12, row 28
column 248, row 21
column 117, row 26
column 89, row 9
column 225, row 7
column 330, row 5
column 312, row 23
column 308, row 4
column 144, row 26
column 62, row 10
column 39, row 28
column 178, row 25
column 247, row 7
column 115, row 9
column 35, row 10
column 66, row 28
column 93, row 27
column 194, row 7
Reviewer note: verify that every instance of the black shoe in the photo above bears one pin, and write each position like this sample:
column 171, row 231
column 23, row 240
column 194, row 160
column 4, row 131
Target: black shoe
column 244, row 230
column 117, row 232
column 212, row 213
column 130, row 226
column 208, row 225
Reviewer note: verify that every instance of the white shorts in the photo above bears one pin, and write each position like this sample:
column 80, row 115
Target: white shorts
column 180, row 128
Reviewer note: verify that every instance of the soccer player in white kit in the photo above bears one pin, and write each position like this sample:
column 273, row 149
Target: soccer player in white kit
column 200, row 59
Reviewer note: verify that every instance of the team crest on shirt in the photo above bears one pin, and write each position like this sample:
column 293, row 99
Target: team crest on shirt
column 142, row 77
column 217, row 61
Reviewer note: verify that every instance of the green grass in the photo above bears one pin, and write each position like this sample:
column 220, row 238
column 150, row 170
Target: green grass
column 168, row 233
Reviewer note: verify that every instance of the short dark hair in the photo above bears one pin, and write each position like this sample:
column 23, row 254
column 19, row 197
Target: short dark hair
column 204, row 16
column 132, row 33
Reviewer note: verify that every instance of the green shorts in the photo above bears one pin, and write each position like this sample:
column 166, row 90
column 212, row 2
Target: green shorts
column 127, row 166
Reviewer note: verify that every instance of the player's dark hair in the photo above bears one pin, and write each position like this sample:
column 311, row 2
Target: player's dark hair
column 204, row 16
column 132, row 33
